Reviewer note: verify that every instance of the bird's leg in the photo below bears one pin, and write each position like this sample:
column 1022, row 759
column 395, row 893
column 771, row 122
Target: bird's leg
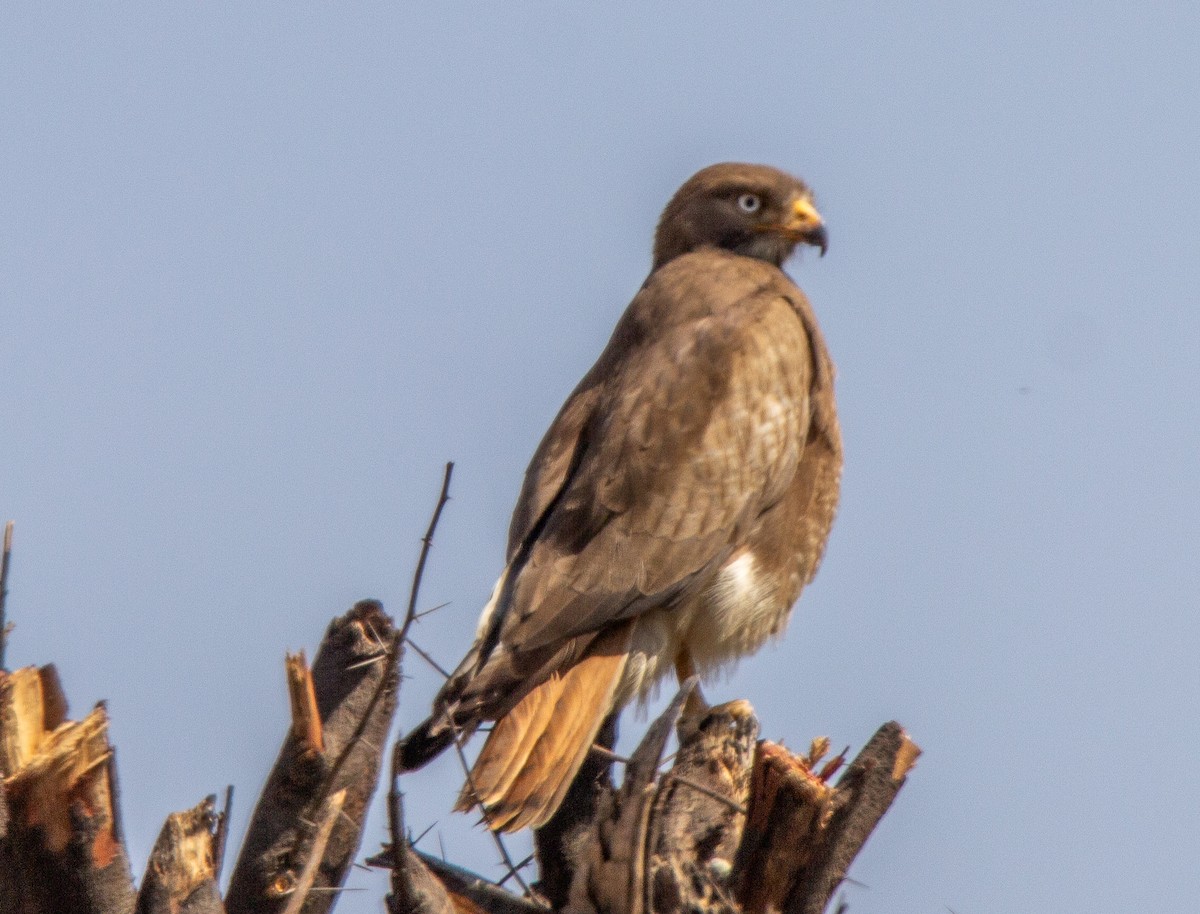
column 685, row 668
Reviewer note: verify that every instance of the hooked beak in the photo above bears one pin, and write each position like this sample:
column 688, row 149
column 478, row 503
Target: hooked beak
column 805, row 224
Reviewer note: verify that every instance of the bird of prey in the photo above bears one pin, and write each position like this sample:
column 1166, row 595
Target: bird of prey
column 674, row 510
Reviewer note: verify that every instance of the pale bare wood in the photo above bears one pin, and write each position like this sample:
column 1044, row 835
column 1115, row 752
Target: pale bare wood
column 43, row 787
column 302, row 698
column 299, row 892
column 65, row 847
column 32, row 706
column 181, row 876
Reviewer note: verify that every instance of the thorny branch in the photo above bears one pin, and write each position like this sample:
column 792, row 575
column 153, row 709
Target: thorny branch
column 426, row 544
column 8, row 535
column 395, row 808
column 512, row 869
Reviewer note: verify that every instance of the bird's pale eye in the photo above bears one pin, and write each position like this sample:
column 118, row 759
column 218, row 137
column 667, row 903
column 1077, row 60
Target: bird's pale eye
column 749, row 203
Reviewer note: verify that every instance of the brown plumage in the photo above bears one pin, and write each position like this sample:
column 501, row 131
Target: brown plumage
column 674, row 510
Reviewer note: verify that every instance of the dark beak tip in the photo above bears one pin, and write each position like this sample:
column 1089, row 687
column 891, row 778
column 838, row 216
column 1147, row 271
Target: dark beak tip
column 820, row 239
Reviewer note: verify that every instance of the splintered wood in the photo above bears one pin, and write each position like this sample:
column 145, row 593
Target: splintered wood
column 62, row 840
column 735, row 826
column 181, row 876
column 791, row 806
column 802, row 833
column 302, row 697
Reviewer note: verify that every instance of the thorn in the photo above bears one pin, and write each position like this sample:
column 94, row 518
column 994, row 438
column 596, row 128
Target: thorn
column 430, row 612
column 415, row 841
column 605, row 752
column 424, row 656
column 370, row 661
column 374, row 635
column 462, row 759
column 520, row 866
column 426, row 543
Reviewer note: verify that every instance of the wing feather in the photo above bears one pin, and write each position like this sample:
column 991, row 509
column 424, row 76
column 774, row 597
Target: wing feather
column 685, row 431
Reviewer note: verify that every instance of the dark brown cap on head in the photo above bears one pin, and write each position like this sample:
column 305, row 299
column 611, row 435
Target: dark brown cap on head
column 754, row 210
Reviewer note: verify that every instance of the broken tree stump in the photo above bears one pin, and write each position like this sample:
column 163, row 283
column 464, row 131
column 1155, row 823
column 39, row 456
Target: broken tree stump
column 181, row 877
column 62, row 842
column 308, row 822
column 802, row 834
column 735, row 826
column 61, row 848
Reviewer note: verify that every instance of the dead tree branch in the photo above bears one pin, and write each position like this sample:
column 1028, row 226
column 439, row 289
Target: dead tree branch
column 5, row 558
column 181, row 877
column 415, row 890
column 802, row 834
column 736, row 826
column 62, row 840
column 308, row 822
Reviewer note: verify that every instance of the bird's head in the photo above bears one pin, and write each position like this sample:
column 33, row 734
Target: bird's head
column 753, row 210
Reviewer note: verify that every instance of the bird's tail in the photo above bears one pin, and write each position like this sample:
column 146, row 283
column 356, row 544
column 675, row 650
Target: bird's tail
column 536, row 749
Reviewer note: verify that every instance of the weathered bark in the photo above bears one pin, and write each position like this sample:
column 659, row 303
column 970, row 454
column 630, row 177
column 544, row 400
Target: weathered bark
column 181, row 877
column 471, row 894
column 802, row 834
column 610, row 864
column 698, row 814
column 62, row 842
column 7, row 860
column 554, row 841
column 734, row 827
column 415, row 890
column 5, row 558
column 308, row 822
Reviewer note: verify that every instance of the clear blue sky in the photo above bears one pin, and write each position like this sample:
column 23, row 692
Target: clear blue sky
column 265, row 267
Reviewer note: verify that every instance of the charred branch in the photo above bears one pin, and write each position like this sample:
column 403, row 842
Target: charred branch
column 308, row 822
